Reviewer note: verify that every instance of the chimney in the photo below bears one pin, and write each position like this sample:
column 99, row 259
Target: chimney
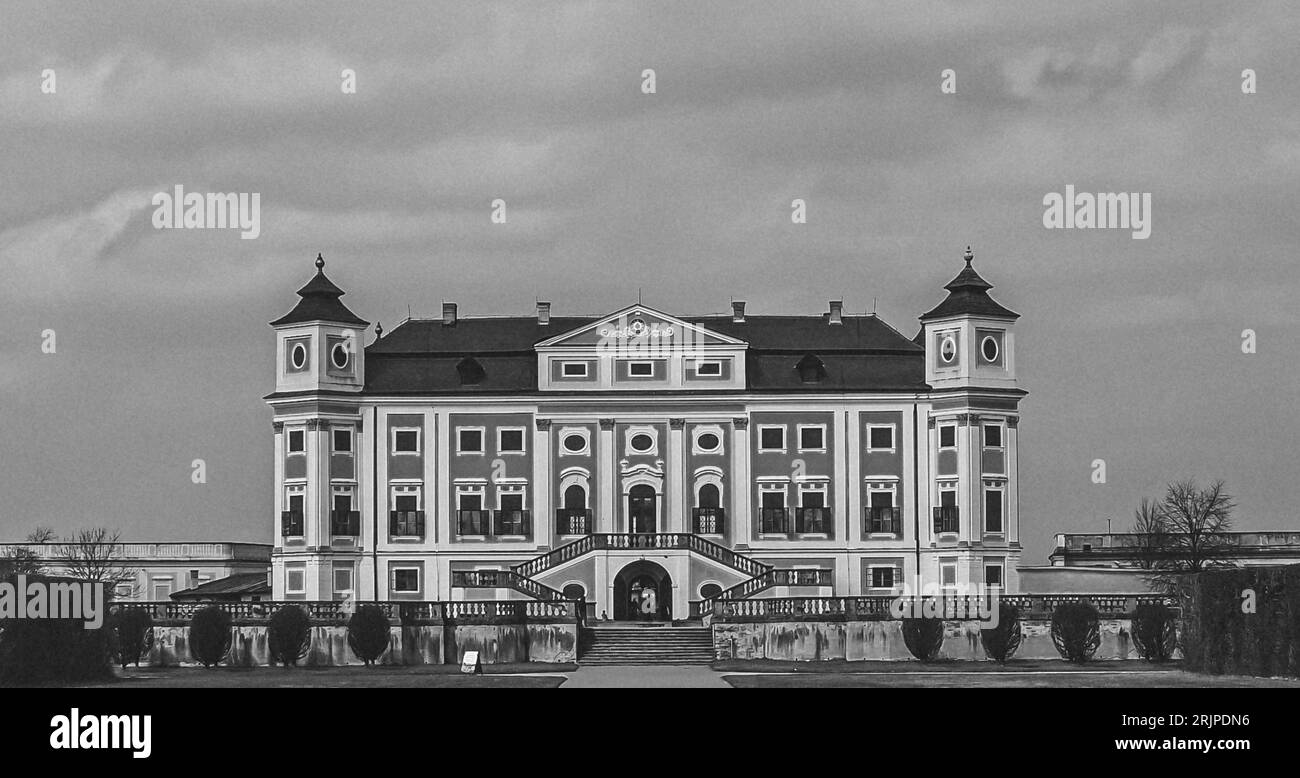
column 449, row 314
column 543, row 313
column 737, row 310
column 837, row 312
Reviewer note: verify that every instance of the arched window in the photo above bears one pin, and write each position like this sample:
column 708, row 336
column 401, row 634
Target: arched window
column 575, row 498
column 709, row 496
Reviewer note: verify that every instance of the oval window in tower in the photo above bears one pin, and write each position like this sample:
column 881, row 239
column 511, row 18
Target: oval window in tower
column 990, row 348
column 948, row 349
column 298, row 357
column 339, row 356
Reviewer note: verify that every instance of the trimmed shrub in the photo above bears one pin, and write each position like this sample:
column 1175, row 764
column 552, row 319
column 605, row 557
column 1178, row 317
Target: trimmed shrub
column 288, row 636
column 1001, row 641
column 368, row 633
column 133, row 635
column 1076, row 631
column 210, row 636
column 923, row 637
column 1154, row 628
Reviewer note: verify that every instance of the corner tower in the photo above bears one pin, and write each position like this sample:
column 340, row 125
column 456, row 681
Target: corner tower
column 970, row 363
column 319, row 362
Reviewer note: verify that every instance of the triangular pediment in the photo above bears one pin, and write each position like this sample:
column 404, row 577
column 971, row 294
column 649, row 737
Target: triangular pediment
column 639, row 325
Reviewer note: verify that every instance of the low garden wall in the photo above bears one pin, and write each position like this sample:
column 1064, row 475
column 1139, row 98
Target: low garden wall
column 419, row 633
column 862, row 629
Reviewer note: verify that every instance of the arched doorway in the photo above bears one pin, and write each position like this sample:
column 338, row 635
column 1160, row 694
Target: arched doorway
column 642, row 508
column 635, row 580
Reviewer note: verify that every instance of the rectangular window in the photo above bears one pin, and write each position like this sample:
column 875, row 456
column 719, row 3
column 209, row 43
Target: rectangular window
column 992, row 510
column 469, row 440
column 510, row 441
column 947, row 436
column 948, row 574
column 342, row 441
column 708, row 368
column 880, row 438
column 406, row 441
column 470, row 501
column 812, row 438
column 992, row 436
column 297, row 441
column 295, row 580
column 406, row 579
column 771, row 438
column 882, row 577
column 641, row 369
column 993, row 575
column 406, row 502
column 772, row 513
column 574, row 370
column 342, row 580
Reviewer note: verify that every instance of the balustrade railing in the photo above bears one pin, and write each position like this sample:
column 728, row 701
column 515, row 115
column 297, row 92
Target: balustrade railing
column 291, row 524
column 345, row 523
column 884, row 520
column 407, row 524
column 946, row 518
column 338, row 612
column 708, row 521
column 883, row 607
column 812, row 520
column 634, row 541
column 573, row 521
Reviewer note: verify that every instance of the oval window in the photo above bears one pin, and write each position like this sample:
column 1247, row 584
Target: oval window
column 948, row 349
column 642, row 442
column 339, row 355
column 708, row 442
column 574, row 443
column 990, row 348
column 710, row 590
column 575, row 592
column 299, row 356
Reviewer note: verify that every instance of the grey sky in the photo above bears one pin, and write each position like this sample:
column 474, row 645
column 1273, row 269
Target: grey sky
column 1130, row 349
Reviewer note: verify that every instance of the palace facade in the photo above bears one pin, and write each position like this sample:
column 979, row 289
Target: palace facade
column 602, row 457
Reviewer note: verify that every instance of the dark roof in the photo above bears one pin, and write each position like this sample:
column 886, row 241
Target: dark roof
column 968, row 295
column 520, row 334
column 238, row 584
column 863, row 353
column 320, row 302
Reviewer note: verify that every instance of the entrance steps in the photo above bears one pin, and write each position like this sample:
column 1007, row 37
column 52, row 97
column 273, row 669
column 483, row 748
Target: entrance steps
column 646, row 644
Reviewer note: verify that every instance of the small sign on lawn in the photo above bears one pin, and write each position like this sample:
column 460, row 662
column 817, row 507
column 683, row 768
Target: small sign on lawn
column 470, row 663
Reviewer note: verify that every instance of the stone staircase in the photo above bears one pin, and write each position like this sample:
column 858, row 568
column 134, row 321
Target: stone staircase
column 646, row 644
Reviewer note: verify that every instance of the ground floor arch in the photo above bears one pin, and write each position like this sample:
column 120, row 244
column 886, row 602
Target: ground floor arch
column 651, row 586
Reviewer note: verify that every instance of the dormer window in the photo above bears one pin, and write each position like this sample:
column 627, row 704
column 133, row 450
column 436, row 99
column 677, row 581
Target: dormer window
column 811, row 369
column 471, row 372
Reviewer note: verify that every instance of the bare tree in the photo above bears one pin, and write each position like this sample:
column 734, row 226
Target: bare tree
column 1188, row 531
column 23, row 560
column 95, row 555
column 1150, row 534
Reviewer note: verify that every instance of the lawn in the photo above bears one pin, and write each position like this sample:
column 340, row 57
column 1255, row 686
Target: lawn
column 379, row 676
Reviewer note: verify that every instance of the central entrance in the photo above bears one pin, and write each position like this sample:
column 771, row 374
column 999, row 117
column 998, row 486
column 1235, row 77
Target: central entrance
column 641, row 508
column 643, row 591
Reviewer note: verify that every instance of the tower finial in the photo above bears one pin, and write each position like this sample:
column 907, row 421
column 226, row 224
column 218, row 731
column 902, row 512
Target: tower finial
column 320, row 261
column 968, row 256
column 379, row 330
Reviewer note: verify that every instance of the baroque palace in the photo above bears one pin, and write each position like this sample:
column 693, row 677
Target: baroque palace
column 644, row 462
